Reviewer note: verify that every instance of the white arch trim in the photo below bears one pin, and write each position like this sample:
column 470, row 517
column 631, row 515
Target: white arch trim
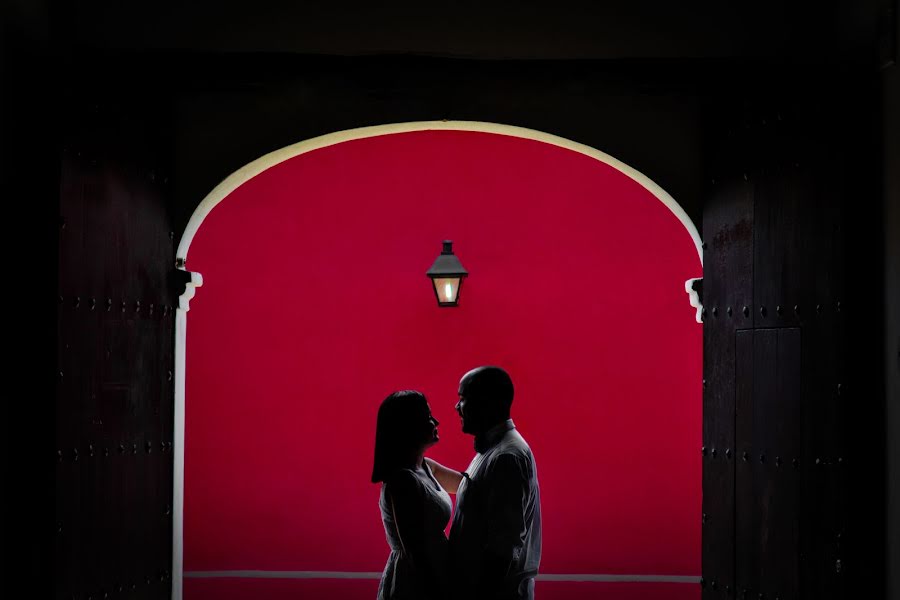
column 251, row 170
column 178, row 435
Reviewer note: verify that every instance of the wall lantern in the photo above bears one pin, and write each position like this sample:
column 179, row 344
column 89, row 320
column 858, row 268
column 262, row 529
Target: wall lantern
column 446, row 275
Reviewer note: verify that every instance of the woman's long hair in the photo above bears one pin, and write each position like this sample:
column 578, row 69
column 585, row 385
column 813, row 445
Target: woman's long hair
column 397, row 431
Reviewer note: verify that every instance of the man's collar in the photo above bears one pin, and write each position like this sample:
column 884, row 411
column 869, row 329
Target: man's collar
column 491, row 437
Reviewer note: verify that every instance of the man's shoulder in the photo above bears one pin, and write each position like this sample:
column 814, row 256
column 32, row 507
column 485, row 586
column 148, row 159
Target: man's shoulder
column 514, row 443
column 513, row 450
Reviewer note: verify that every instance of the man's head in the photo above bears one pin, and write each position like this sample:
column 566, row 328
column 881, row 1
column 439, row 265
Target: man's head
column 485, row 397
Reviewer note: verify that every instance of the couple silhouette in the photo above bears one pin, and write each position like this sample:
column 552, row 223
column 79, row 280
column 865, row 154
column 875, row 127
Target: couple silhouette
column 494, row 548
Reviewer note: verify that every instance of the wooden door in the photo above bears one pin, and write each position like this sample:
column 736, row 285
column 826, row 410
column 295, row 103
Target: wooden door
column 791, row 493
column 114, row 402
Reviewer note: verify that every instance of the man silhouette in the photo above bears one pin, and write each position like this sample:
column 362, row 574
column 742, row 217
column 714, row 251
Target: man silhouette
column 495, row 539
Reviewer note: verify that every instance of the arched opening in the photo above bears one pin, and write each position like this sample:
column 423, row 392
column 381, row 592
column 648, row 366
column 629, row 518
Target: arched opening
column 316, row 306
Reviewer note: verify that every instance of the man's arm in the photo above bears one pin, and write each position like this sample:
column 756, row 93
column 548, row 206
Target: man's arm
column 447, row 477
column 507, row 498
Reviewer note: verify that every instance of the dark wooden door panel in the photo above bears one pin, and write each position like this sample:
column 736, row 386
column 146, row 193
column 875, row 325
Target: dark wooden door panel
column 783, row 246
column 115, row 356
column 728, row 277
column 746, row 513
column 799, row 429
column 768, row 420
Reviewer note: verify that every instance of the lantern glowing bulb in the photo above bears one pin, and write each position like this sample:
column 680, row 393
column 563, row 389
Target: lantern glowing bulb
column 446, row 276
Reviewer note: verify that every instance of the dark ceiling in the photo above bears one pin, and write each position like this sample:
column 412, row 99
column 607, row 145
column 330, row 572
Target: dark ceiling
column 637, row 29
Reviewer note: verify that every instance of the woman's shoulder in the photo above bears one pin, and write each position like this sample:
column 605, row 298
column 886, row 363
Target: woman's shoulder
column 403, row 480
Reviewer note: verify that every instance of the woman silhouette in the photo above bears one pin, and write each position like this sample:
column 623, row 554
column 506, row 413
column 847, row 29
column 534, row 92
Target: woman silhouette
column 415, row 509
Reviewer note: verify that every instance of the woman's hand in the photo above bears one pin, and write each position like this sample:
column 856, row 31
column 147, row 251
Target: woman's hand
column 448, row 478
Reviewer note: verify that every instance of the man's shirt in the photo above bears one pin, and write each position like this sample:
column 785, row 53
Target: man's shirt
column 497, row 522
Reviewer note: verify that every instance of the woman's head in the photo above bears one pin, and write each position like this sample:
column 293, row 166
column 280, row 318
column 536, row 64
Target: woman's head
column 404, row 428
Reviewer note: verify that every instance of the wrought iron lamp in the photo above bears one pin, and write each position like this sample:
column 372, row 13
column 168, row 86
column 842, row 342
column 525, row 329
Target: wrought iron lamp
column 447, row 275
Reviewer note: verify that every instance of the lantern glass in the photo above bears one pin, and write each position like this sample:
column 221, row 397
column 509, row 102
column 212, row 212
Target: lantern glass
column 447, row 289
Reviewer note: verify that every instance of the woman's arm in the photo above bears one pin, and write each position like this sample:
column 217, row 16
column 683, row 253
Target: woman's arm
column 448, row 478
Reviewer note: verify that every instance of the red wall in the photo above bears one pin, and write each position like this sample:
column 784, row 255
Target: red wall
column 315, row 306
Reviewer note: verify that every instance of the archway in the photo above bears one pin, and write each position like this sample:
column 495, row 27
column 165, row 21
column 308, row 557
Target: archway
column 528, row 212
